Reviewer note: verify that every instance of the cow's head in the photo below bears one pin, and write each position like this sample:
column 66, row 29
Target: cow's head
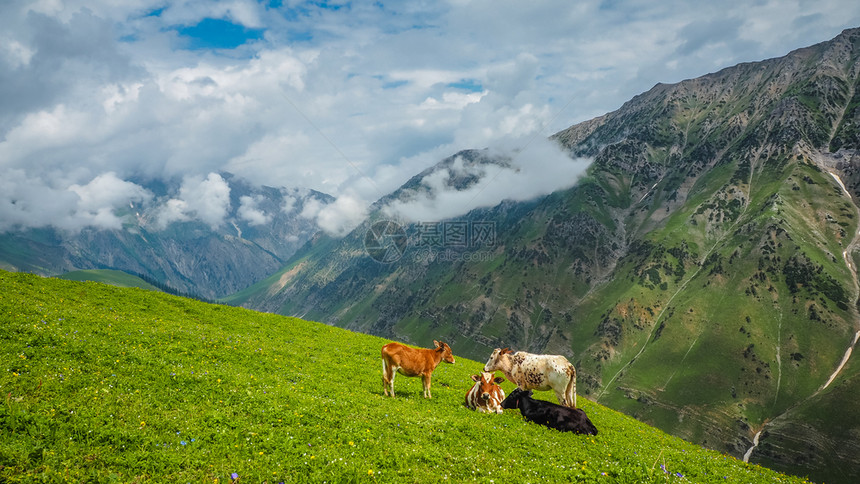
column 447, row 355
column 513, row 400
column 495, row 361
column 486, row 383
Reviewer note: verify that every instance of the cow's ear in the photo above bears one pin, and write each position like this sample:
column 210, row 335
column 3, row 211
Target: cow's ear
column 436, row 343
column 499, row 379
column 506, row 351
column 476, row 377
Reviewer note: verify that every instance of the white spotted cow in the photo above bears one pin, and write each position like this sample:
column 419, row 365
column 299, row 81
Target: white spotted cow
column 486, row 395
column 537, row 372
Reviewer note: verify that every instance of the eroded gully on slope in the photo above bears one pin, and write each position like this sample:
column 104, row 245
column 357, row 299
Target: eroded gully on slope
column 846, row 256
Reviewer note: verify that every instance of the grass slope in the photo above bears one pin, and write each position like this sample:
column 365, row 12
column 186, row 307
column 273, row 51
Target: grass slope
column 107, row 276
column 105, row 384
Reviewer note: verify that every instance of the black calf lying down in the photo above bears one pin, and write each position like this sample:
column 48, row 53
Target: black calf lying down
column 552, row 415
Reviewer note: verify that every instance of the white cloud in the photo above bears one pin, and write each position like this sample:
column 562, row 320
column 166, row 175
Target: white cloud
column 350, row 101
column 108, row 192
column 174, row 210
column 537, row 167
column 288, row 205
column 31, row 203
column 206, row 200
column 311, row 208
column 249, row 212
column 341, row 216
column 15, row 54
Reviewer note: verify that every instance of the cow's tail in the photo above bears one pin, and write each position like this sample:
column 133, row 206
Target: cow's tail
column 570, row 391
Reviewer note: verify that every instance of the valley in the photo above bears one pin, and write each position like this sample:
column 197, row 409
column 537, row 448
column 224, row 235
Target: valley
column 700, row 275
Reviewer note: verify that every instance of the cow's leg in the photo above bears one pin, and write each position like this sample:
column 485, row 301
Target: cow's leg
column 470, row 398
column 496, row 402
column 388, row 373
column 426, row 380
column 561, row 398
column 570, row 391
column 384, row 378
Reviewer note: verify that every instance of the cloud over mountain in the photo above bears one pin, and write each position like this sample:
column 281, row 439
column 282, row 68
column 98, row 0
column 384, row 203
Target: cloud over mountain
column 538, row 168
column 347, row 99
column 207, row 200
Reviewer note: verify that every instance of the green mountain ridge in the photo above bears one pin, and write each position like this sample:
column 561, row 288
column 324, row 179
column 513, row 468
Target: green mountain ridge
column 701, row 276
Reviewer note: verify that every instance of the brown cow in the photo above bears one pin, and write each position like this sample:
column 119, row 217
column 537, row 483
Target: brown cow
column 486, row 395
column 412, row 362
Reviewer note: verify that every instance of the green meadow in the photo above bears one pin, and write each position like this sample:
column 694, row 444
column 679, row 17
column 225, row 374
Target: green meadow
column 107, row 384
column 112, row 277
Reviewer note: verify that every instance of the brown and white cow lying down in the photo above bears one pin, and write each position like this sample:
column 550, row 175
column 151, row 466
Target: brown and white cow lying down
column 549, row 414
column 537, row 372
column 486, row 395
column 412, row 362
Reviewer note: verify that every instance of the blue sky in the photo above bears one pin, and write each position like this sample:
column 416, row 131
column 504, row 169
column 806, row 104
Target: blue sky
column 349, row 98
column 211, row 33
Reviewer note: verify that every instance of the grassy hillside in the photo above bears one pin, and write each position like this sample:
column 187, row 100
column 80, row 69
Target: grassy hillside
column 114, row 278
column 105, row 384
column 701, row 276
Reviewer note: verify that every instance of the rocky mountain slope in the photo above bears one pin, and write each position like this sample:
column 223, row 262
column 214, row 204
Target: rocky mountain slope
column 191, row 257
column 701, row 276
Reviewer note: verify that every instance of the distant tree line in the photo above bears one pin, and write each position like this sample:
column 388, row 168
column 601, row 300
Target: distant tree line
column 161, row 286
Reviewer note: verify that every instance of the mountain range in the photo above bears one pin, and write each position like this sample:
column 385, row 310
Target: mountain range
column 188, row 256
column 701, row 275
